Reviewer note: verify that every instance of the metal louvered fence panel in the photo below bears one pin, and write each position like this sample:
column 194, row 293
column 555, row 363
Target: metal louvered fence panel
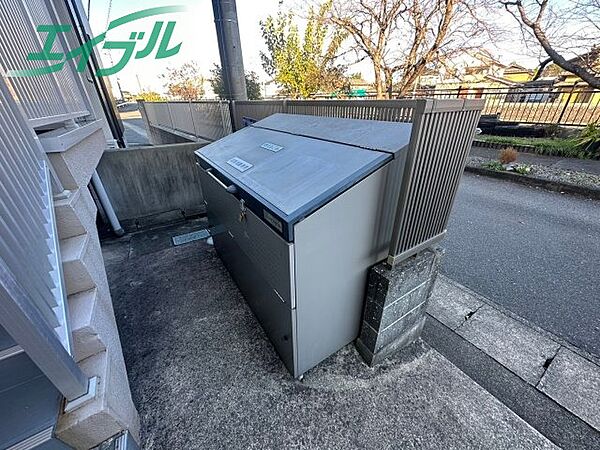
column 442, row 134
column 33, row 306
column 48, row 98
column 386, row 110
column 212, row 120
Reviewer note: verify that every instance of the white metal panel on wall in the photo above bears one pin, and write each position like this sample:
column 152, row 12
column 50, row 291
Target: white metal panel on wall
column 48, row 98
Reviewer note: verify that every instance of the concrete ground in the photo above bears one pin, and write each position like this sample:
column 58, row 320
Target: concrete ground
column 135, row 131
column 545, row 380
column 537, row 253
column 204, row 376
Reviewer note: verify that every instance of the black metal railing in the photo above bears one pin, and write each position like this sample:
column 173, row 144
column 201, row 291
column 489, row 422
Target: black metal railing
column 561, row 105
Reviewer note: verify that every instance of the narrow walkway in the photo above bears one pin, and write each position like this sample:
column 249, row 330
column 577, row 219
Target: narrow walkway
column 135, row 131
column 204, row 375
column 557, row 162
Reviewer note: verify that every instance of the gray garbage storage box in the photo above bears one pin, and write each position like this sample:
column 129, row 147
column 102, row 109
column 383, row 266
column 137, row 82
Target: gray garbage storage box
column 300, row 207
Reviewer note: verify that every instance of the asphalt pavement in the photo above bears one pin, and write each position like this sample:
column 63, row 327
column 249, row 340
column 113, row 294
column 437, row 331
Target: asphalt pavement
column 534, row 252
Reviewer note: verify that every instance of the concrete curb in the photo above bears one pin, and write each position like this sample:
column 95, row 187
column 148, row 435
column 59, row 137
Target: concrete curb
column 568, row 376
column 518, row 147
column 537, row 182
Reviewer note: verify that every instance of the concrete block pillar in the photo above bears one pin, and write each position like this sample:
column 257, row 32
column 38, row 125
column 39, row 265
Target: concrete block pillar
column 396, row 300
column 96, row 343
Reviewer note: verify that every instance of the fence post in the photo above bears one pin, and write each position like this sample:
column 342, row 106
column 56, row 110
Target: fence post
column 170, row 115
column 232, row 115
column 562, row 113
column 193, row 121
column 284, row 106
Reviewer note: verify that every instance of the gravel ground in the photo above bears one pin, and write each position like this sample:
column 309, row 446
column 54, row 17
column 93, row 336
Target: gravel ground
column 550, row 173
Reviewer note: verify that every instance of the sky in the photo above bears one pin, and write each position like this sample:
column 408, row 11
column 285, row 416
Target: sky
column 195, row 30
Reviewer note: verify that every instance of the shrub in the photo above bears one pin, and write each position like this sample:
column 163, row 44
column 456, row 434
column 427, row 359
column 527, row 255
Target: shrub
column 494, row 165
column 589, row 140
column 523, row 169
column 543, row 146
column 508, row 155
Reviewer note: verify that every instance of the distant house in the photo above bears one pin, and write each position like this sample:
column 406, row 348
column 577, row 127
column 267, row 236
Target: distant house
column 517, row 73
column 573, row 88
column 359, row 87
column 473, row 72
column 559, row 86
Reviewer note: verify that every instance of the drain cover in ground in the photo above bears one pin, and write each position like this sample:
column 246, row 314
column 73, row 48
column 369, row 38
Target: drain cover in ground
column 190, row 237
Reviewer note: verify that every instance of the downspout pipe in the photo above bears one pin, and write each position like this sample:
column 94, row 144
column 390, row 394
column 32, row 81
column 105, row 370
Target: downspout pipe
column 106, row 204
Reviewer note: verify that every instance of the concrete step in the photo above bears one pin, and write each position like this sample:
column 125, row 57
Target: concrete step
column 75, row 214
column 75, row 165
column 83, row 266
column 108, row 413
column 93, row 325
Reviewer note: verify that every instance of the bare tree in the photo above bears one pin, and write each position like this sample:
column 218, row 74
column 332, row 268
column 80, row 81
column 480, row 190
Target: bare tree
column 184, row 82
column 572, row 27
column 405, row 38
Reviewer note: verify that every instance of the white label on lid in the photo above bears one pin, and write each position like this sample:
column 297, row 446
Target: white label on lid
column 239, row 164
column 271, row 147
column 272, row 220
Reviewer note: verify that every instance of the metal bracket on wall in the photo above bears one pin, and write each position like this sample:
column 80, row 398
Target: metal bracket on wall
column 85, row 398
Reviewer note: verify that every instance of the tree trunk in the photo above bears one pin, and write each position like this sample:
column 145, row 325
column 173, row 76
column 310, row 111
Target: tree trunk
column 389, row 84
column 378, row 81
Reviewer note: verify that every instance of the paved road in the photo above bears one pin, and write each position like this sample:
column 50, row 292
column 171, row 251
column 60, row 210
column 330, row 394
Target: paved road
column 535, row 252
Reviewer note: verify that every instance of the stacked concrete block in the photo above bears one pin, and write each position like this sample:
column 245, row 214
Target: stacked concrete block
column 75, row 165
column 395, row 305
column 75, row 213
column 96, row 343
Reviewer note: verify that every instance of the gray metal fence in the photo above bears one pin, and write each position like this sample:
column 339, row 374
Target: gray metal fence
column 442, row 133
column 559, row 104
column 387, row 110
column 441, row 138
column 563, row 105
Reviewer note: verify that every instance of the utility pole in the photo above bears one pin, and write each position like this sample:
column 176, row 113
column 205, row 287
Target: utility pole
column 230, row 49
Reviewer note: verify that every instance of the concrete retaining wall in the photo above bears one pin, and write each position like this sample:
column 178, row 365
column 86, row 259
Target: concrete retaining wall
column 152, row 185
column 157, row 136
